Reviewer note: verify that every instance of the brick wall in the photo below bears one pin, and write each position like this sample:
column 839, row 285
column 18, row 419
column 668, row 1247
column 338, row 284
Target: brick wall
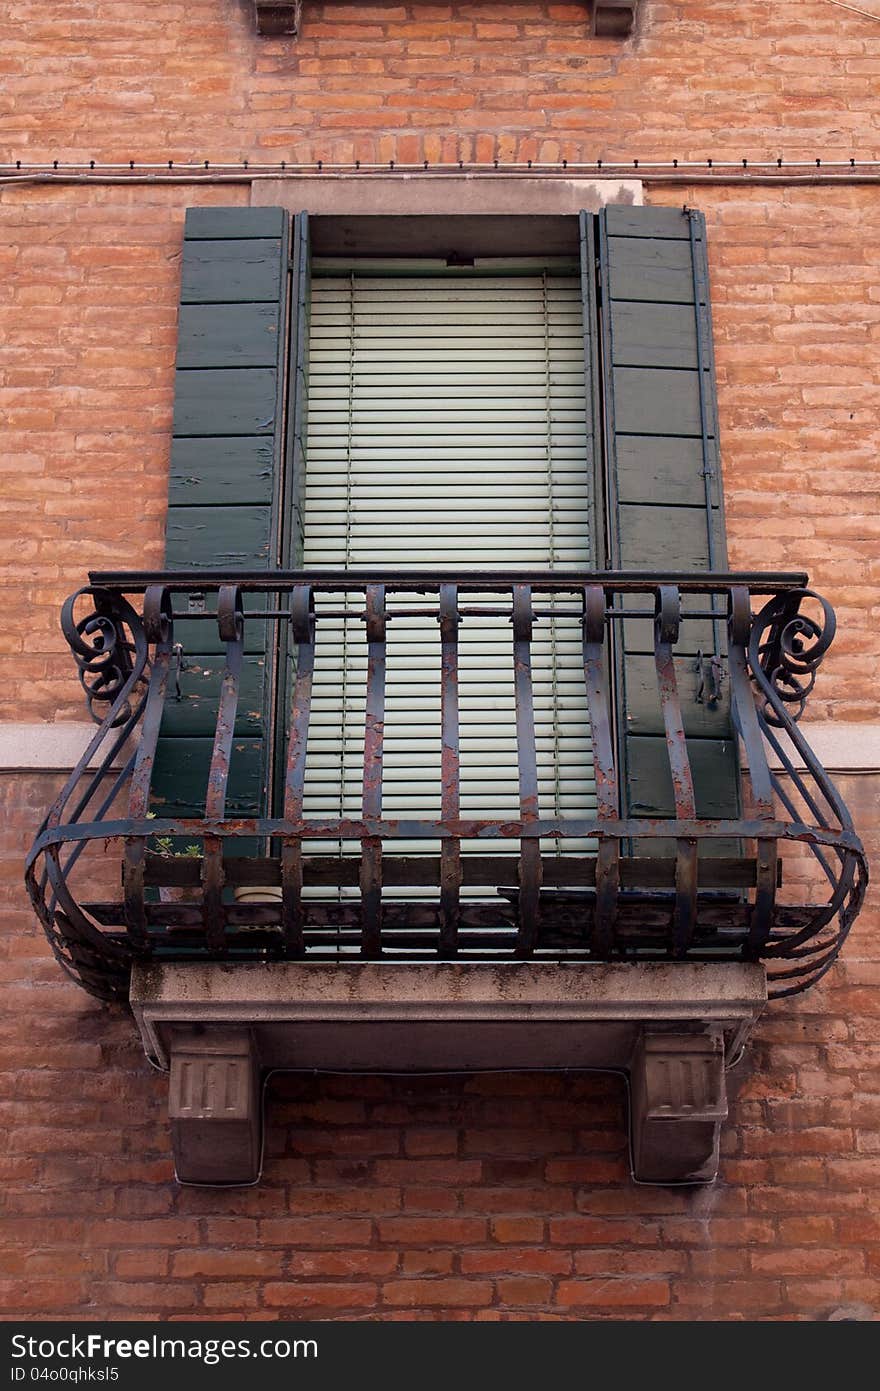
column 87, row 333
column 111, row 80
column 488, row 1196
column 450, row 1197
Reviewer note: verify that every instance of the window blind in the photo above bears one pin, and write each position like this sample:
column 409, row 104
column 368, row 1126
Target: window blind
column 447, row 429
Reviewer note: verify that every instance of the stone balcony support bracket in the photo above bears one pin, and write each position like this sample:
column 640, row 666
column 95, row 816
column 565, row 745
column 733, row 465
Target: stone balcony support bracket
column 613, row 19
column 276, row 19
column 669, row 1027
column 678, row 1101
column 215, row 1104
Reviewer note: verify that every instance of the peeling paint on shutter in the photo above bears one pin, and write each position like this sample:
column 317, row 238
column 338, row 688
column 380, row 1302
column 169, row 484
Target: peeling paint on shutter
column 664, row 485
column 225, row 483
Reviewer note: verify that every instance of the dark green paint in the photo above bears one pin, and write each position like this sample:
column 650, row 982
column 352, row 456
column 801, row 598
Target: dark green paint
column 232, row 272
column 194, row 713
column 696, row 634
column 712, row 765
column 663, row 538
column 657, row 470
column 233, row 401
column 229, row 470
column 654, row 335
column 225, row 481
column 643, row 712
column 657, row 401
column 645, row 270
column 224, row 335
column 235, row 536
column 225, row 224
column 657, row 223
column 180, row 777
column 716, row 788
column 660, row 441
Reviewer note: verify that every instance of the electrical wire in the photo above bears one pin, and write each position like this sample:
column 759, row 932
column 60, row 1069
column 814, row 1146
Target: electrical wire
column 854, row 9
column 245, row 172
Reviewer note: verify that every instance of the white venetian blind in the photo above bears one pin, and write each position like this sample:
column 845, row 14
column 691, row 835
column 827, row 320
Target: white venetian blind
column 447, row 431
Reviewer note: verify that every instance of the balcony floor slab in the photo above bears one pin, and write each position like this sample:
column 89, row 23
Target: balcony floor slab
column 365, row 1016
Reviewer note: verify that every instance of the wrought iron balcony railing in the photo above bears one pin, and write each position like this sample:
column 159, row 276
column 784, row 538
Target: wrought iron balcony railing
column 633, row 887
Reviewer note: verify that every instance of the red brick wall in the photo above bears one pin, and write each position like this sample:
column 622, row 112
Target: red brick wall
column 451, row 1197
column 108, row 80
column 87, row 332
column 491, row 1196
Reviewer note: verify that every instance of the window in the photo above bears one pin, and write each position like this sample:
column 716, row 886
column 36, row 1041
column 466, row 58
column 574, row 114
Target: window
column 368, row 408
column 447, row 428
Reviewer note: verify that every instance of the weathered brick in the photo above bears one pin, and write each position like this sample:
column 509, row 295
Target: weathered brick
column 436, row 1231
column 617, row 1294
column 305, row 1296
column 428, row 1293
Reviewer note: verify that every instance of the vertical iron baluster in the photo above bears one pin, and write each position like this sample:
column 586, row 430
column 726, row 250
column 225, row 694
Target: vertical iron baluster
column 302, row 627
column 450, row 769
column 739, row 627
column 667, row 621
column 230, row 623
column 158, row 629
column 607, row 799
column 374, row 744
column 530, row 846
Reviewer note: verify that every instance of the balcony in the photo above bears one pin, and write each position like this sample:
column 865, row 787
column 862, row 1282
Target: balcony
column 629, row 903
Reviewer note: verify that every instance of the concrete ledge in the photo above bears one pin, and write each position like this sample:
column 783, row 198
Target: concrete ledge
column 43, row 747
column 840, row 748
column 366, row 1016
column 444, row 195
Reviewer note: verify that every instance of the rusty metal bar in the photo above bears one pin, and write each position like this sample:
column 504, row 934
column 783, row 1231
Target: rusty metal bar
column 568, row 871
column 550, row 828
column 582, row 907
column 450, row 768
column 607, row 793
column 529, row 869
column 158, row 629
column 470, row 581
column 464, row 610
column 739, row 627
column 667, row 622
column 374, row 747
column 302, row 627
column 230, row 623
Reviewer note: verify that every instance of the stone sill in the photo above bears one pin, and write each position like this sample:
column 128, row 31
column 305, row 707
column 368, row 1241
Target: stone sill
column 352, row 1015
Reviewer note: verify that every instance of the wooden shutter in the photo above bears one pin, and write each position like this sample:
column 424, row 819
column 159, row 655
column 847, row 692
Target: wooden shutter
column 663, row 487
column 225, row 484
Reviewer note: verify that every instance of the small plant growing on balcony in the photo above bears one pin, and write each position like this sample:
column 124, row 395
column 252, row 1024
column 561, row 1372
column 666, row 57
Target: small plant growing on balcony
column 164, row 847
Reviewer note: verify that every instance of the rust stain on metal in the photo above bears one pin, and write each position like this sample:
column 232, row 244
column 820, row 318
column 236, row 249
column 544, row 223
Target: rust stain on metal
column 777, row 652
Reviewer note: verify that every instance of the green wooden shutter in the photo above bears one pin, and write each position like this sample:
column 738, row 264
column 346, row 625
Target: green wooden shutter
column 663, row 487
column 225, row 484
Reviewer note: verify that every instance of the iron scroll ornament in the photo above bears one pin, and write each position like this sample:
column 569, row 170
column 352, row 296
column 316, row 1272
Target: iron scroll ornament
column 108, row 645
column 788, row 646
